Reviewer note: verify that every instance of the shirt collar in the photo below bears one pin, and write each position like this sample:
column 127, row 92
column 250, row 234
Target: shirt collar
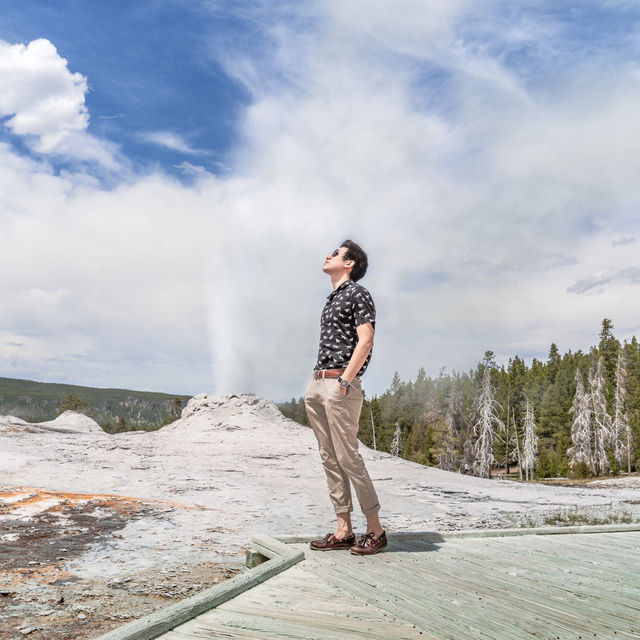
column 343, row 286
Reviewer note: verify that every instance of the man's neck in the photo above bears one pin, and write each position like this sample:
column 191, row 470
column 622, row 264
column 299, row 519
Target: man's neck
column 336, row 282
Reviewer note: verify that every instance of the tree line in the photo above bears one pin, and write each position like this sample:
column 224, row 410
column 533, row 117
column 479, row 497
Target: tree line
column 575, row 414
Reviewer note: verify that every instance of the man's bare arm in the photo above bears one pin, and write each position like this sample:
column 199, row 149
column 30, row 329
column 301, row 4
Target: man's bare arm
column 360, row 353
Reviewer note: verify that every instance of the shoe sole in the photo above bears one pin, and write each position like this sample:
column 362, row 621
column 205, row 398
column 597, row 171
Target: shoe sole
column 330, row 548
column 368, row 553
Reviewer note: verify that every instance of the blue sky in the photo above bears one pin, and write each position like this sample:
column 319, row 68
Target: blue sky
column 173, row 173
column 148, row 71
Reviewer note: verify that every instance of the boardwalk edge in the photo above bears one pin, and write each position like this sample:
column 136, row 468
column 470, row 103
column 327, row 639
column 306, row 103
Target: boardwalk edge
column 440, row 536
column 155, row 624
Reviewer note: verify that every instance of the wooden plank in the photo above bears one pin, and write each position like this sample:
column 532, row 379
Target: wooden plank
column 477, row 603
column 253, row 558
column 470, row 589
column 303, row 628
column 452, row 586
column 400, row 598
column 431, row 620
column 625, row 539
column 525, row 558
column 272, row 548
column 486, row 597
column 597, row 590
column 574, row 574
column 540, row 531
column 572, row 555
column 544, row 598
column 622, row 540
column 218, row 632
column 574, row 590
column 439, row 536
column 298, row 596
column 599, row 549
column 295, row 604
column 157, row 623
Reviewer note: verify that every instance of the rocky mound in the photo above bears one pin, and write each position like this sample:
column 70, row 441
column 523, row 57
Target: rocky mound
column 72, row 421
column 227, row 412
column 67, row 422
column 11, row 424
column 7, row 420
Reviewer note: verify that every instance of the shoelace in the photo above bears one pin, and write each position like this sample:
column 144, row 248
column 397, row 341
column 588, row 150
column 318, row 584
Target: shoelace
column 365, row 538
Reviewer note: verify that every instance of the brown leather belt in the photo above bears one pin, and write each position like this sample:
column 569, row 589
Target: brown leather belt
column 320, row 374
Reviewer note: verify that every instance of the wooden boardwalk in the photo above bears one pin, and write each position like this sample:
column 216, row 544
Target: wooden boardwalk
column 578, row 583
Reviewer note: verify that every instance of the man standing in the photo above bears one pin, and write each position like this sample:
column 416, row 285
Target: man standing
column 334, row 398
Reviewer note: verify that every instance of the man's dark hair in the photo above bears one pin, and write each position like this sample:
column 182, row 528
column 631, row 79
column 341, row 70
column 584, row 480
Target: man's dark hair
column 355, row 253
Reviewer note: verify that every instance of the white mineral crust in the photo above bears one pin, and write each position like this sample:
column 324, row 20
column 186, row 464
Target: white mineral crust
column 233, row 466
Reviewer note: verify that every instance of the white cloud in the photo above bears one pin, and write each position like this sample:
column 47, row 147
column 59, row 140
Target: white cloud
column 500, row 198
column 41, row 96
column 106, row 287
column 45, row 102
column 192, row 169
column 481, row 199
column 169, row 140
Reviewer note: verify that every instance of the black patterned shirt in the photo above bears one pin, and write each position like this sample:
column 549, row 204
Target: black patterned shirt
column 349, row 306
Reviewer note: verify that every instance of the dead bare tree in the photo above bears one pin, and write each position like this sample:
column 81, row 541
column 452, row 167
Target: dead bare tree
column 601, row 419
column 580, row 452
column 487, row 420
column 517, row 443
column 620, row 428
column 530, row 452
column 373, row 428
column 396, row 441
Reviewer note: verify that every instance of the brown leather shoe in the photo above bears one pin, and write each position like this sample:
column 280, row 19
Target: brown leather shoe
column 367, row 546
column 330, row 542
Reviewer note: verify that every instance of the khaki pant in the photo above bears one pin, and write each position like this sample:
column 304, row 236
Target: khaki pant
column 334, row 419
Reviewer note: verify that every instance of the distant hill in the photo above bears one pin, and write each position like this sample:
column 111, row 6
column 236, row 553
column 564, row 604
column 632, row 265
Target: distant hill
column 114, row 409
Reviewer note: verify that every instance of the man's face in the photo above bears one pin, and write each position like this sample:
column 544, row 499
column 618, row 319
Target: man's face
column 335, row 262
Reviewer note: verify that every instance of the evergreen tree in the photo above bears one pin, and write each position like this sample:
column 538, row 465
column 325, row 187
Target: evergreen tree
column 553, row 363
column 396, row 384
column 443, row 421
column 176, row 408
column 608, row 350
column 175, row 413
column 73, row 402
column 449, row 453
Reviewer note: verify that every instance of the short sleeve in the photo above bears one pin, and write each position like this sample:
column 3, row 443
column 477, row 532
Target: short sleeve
column 363, row 308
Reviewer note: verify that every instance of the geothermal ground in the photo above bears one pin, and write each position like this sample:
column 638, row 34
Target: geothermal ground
column 98, row 529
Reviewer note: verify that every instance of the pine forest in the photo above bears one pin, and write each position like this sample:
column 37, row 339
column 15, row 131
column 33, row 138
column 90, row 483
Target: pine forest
column 574, row 415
